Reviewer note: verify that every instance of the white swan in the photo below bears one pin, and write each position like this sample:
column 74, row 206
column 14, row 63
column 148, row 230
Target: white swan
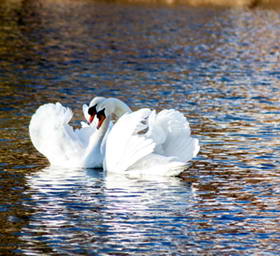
column 63, row 146
column 145, row 142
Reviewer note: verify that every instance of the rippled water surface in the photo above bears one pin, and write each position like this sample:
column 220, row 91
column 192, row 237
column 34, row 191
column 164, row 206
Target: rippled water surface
column 220, row 67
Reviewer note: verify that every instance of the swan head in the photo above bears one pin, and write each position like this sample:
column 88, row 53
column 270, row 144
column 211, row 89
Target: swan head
column 91, row 111
column 111, row 108
column 101, row 116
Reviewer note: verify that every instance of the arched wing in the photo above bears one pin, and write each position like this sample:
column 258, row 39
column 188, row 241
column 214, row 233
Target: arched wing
column 171, row 130
column 127, row 143
column 52, row 135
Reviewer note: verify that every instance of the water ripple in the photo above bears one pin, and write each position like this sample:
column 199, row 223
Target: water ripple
column 219, row 66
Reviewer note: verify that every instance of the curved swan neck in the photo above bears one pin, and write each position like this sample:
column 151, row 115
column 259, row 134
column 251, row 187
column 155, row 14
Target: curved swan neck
column 97, row 137
column 117, row 107
column 93, row 150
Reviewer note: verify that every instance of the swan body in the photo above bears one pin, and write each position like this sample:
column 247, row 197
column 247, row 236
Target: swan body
column 62, row 145
column 145, row 142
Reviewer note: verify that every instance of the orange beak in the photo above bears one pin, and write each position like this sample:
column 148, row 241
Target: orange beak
column 100, row 121
column 91, row 118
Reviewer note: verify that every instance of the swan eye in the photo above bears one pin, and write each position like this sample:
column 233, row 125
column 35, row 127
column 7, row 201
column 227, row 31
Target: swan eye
column 92, row 110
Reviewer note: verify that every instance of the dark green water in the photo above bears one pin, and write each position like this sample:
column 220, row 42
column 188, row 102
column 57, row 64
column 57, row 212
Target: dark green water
column 220, row 67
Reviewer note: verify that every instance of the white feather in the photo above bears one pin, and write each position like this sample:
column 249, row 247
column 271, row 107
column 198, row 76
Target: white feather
column 146, row 143
column 175, row 133
column 124, row 145
column 53, row 137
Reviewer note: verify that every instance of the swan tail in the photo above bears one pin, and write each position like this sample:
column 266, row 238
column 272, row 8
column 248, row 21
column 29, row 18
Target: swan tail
column 128, row 134
column 51, row 134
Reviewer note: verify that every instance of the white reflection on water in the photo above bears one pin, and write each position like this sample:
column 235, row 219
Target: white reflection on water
column 89, row 211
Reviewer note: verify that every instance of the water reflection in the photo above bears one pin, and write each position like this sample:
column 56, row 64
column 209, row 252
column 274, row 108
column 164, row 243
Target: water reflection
column 102, row 213
column 86, row 211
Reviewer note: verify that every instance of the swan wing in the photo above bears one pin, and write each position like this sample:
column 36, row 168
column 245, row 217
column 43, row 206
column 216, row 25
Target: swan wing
column 157, row 165
column 52, row 136
column 127, row 143
column 171, row 131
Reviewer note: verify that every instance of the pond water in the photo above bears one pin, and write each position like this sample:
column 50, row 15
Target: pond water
column 219, row 66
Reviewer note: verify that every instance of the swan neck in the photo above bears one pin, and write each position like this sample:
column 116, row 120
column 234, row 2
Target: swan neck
column 93, row 150
column 119, row 108
column 100, row 133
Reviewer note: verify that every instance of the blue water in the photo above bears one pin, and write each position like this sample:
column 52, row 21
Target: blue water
column 218, row 66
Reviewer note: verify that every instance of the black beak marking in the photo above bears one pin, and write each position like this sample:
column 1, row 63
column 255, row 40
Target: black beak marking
column 101, row 113
column 92, row 110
